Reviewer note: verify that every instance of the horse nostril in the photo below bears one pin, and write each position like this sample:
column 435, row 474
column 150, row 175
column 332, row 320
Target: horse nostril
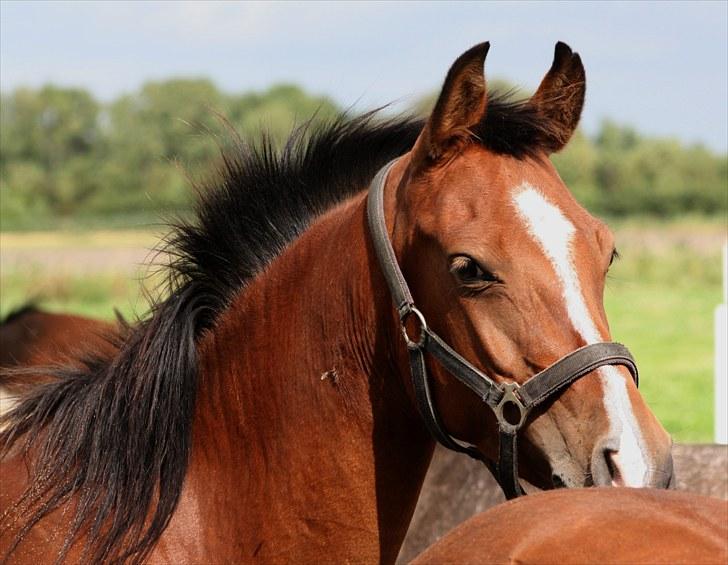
column 612, row 467
column 557, row 481
column 605, row 466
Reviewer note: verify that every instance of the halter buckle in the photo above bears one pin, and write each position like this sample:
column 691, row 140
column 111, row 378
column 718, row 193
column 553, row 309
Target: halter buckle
column 411, row 344
column 510, row 396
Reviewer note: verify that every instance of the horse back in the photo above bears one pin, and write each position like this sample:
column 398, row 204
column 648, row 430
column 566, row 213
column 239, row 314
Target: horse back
column 597, row 525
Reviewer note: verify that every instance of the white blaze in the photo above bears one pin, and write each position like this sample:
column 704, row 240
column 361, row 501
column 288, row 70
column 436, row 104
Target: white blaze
column 553, row 232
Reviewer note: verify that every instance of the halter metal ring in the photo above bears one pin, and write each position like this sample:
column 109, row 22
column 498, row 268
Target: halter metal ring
column 420, row 343
column 510, row 396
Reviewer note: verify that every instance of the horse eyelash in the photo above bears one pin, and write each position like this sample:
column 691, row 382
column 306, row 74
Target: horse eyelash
column 615, row 256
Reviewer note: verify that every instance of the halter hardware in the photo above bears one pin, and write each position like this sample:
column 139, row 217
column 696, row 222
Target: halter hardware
column 499, row 397
column 510, row 397
column 411, row 344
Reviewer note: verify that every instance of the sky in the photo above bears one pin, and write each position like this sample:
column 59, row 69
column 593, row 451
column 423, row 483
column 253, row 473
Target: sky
column 661, row 67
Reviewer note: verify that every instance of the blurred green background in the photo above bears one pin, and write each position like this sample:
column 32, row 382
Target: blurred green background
column 83, row 185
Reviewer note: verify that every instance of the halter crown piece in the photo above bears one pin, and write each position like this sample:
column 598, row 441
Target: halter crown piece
column 501, row 398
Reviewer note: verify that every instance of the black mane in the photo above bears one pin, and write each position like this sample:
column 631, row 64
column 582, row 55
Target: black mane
column 116, row 434
column 266, row 199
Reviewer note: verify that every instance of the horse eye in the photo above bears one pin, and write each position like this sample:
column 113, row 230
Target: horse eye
column 470, row 272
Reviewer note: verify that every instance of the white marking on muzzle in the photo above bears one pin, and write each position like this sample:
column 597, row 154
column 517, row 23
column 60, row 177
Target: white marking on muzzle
column 554, row 233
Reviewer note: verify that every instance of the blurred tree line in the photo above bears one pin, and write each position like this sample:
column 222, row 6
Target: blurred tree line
column 65, row 155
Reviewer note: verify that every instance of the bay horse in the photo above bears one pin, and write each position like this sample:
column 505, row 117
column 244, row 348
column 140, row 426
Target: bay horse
column 579, row 526
column 266, row 411
column 32, row 337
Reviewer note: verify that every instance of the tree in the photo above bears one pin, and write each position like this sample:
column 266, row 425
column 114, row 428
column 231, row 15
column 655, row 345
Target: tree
column 51, row 129
column 277, row 111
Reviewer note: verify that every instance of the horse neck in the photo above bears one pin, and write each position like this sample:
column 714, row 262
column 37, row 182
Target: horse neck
column 303, row 411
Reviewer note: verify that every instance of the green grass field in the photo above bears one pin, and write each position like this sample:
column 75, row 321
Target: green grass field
column 88, row 273
column 670, row 332
column 660, row 300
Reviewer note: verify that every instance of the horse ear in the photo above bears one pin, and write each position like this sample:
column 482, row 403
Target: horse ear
column 461, row 105
column 560, row 97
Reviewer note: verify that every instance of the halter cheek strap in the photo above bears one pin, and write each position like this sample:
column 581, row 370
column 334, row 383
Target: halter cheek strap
column 510, row 402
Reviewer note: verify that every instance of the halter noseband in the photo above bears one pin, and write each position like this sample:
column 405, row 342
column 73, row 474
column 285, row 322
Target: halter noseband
column 499, row 397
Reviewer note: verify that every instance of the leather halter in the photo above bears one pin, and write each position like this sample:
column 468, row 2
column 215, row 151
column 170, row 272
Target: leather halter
column 503, row 398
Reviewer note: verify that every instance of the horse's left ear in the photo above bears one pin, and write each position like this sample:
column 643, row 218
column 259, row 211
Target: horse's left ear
column 461, row 105
column 560, row 97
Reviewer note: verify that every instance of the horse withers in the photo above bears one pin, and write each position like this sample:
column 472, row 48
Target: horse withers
column 266, row 410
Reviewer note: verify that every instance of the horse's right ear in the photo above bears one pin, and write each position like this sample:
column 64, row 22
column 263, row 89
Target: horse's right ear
column 461, row 105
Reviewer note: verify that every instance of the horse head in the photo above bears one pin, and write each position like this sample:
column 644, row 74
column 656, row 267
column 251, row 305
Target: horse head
column 510, row 270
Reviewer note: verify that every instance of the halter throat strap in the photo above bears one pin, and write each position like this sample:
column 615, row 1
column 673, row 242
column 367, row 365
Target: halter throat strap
column 510, row 402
